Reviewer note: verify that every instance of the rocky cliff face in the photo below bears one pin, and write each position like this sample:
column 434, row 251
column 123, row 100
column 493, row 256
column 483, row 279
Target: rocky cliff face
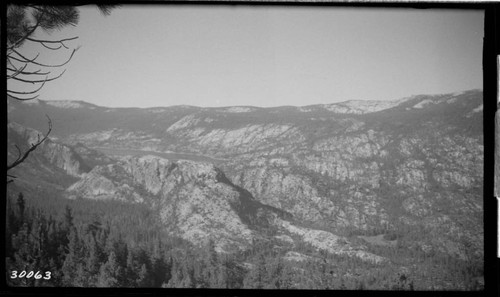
column 59, row 155
column 352, row 167
column 53, row 165
column 197, row 202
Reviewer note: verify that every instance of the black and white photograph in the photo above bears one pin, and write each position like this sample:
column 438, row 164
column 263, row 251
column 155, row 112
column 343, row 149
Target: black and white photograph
column 272, row 147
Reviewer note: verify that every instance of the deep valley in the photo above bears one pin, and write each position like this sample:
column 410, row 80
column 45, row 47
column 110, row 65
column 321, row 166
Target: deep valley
column 352, row 195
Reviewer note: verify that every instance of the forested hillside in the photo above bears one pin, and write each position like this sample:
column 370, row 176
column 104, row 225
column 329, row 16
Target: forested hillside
column 100, row 244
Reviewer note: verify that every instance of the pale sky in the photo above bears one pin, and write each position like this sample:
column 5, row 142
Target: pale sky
column 145, row 56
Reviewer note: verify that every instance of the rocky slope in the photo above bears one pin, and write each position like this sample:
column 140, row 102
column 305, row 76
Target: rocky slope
column 61, row 156
column 53, row 166
column 197, row 202
column 414, row 164
column 194, row 200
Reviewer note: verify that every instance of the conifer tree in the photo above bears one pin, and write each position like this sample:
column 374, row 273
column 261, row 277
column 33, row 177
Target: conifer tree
column 21, row 245
column 143, row 277
column 159, row 268
column 93, row 259
column 110, row 273
column 68, row 219
column 23, row 257
column 131, row 269
column 179, row 273
column 38, row 239
column 73, row 259
column 187, row 281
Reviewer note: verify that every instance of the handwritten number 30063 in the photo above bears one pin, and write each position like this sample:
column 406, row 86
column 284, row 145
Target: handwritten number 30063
column 30, row 274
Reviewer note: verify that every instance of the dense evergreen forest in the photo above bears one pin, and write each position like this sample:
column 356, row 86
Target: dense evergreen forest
column 55, row 242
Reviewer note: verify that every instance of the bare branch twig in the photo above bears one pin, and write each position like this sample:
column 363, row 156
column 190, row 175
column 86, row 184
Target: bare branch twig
column 45, row 42
column 51, row 48
column 11, row 180
column 51, row 41
column 44, row 65
column 18, row 152
column 33, row 147
column 39, row 81
column 17, row 43
column 26, row 93
column 23, row 58
column 16, row 71
column 22, row 99
column 28, row 72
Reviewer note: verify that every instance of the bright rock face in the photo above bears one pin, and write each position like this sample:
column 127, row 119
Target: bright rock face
column 197, row 202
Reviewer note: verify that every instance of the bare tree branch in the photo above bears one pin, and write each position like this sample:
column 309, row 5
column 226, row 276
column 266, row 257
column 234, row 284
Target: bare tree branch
column 22, row 99
column 39, row 81
column 51, row 41
column 27, row 72
column 20, row 28
column 44, row 65
column 24, row 59
column 11, row 180
column 52, row 48
column 45, row 42
column 26, row 93
column 18, row 152
column 22, row 156
column 17, row 43
column 16, row 71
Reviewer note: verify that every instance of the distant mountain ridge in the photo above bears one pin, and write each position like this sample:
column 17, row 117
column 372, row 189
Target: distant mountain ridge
column 152, row 122
column 348, row 106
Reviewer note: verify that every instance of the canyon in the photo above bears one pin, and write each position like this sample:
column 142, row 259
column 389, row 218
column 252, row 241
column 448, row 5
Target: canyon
column 335, row 176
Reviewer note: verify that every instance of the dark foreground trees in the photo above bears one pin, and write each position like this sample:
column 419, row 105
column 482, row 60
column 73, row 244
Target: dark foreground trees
column 86, row 243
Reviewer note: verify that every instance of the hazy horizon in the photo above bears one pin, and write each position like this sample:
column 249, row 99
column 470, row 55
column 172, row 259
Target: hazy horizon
column 201, row 106
column 212, row 56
